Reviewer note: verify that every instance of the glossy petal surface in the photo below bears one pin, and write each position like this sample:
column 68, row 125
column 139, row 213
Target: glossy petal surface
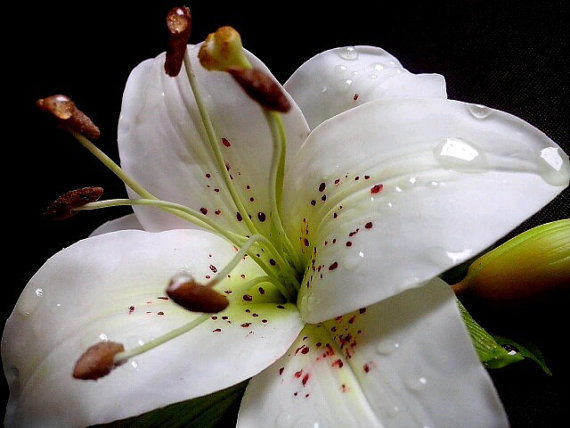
column 111, row 287
column 388, row 195
column 407, row 361
column 163, row 143
column 350, row 76
column 126, row 222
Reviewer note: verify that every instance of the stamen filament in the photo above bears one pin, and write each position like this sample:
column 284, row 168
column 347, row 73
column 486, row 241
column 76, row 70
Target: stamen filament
column 276, row 183
column 110, row 164
column 123, row 357
column 214, row 145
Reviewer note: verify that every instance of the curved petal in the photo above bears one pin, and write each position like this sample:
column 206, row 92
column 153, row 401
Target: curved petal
column 126, row 222
column 390, row 194
column 163, row 143
column 407, row 361
column 342, row 78
column 112, row 287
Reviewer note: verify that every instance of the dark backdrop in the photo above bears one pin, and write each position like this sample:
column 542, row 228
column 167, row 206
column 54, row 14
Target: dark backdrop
column 507, row 55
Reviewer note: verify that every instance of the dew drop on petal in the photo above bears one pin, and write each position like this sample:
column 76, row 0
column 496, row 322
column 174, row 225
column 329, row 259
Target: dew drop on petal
column 553, row 166
column 39, row 292
column 340, row 68
column 284, row 420
column 387, row 346
column 479, row 111
column 348, row 53
column 456, row 153
column 417, row 383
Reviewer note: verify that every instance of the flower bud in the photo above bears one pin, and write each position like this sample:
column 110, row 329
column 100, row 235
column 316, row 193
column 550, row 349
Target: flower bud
column 222, row 50
column 534, row 264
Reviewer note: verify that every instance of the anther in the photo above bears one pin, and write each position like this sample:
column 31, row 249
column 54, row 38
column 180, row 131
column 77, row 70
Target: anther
column 178, row 23
column 67, row 204
column 195, row 297
column 68, row 116
column 222, row 50
column 97, row 361
column 261, row 88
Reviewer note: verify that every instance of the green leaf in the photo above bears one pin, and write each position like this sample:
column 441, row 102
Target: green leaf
column 201, row 412
column 528, row 350
column 490, row 352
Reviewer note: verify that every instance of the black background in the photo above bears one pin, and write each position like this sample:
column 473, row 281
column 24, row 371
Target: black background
column 507, row 55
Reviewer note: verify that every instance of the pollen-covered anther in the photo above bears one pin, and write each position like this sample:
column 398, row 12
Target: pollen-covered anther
column 222, row 50
column 195, row 297
column 261, row 88
column 68, row 116
column 97, row 361
column 67, row 204
column 178, row 23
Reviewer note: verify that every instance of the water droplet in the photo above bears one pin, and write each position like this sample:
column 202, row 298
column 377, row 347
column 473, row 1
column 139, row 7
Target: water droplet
column 354, row 73
column 417, row 383
column 387, row 346
column 340, row 68
column 135, row 365
column 553, row 166
column 433, row 184
column 134, row 341
column 377, row 66
column 39, row 292
column 324, row 89
column 479, row 111
column 284, row 420
column 456, row 153
column 373, row 76
column 392, row 411
column 349, row 53
column 352, row 260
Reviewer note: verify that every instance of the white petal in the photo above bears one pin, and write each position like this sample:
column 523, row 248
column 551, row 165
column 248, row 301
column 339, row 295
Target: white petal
column 404, row 362
column 127, row 222
column 340, row 79
column 390, row 194
column 112, row 287
column 163, row 142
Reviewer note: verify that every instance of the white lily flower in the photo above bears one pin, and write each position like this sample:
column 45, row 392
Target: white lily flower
column 328, row 253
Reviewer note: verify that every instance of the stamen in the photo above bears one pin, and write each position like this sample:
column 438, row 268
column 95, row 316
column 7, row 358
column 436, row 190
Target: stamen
column 178, row 23
column 69, row 117
column 261, row 88
column 185, row 291
column 222, row 50
column 97, row 361
column 68, row 204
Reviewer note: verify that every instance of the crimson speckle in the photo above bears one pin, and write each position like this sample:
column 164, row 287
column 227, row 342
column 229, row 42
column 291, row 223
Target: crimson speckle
column 313, row 202
column 247, row 297
column 349, row 244
column 261, row 216
column 217, row 212
column 298, row 374
column 305, row 350
column 355, row 97
column 305, row 379
column 208, row 175
column 376, row 188
column 280, row 307
column 362, row 310
column 217, row 190
column 335, row 215
column 239, row 217
column 368, row 225
column 246, row 324
column 306, row 242
column 203, row 210
column 162, row 298
column 322, row 187
column 338, row 363
column 352, row 319
column 160, row 313
column 213, row 268
column 366, row 368
column 214, row 318
column 281, row 370
column 337, row 181
column 261, row 290
column 264, row 321
column 272, row 262
column 226, row 143
column 356, row 178
column 216, row 330
column 131, row 309
column 324, row 198
column 366, row 177
column 333, row 266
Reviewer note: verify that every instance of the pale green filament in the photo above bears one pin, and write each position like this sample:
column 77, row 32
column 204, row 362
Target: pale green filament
column 123, row 357
column 215, row 144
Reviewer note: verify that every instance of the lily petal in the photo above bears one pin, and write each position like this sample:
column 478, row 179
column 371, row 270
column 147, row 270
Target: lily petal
column 350, row 76
column 390, row 194
column 164, row 146
column 126, row 222
column 112, row 287
column 407, row 361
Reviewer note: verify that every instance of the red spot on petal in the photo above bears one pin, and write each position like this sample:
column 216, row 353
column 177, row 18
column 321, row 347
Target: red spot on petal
column 247, row 297
column 203, row 210
column 333, row 266
column 305, row 379
column 281, row 370
column 322, row 187
column 338, row 363
column 376, row 188
column 216, row 330
column 368, row 225
column 298, row 374
column 226, row 143
column 213, row 268
column 355, row 97
column 366, row 368
column 131, row 309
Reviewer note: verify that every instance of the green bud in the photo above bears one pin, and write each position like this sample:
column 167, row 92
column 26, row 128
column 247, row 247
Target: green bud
column 534, row 264
column 223, row 50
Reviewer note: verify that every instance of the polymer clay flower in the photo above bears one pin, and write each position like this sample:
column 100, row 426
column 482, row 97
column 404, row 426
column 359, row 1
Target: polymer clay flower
column 293, row 236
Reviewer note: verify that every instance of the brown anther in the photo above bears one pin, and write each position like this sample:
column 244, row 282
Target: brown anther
column 97, row 361
column 65, row 206
column 261, row 88
column 196, row 297
column 68, row 116
column 178, row 23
